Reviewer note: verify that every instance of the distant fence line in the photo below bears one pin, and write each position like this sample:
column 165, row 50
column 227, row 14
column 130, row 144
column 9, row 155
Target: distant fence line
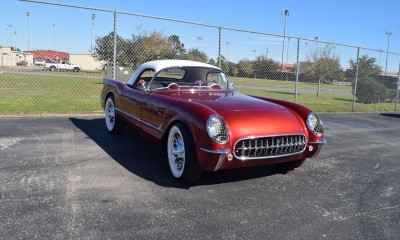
column 311, row 79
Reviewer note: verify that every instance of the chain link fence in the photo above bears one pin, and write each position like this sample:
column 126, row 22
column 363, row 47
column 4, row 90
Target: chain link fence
column 325, row 76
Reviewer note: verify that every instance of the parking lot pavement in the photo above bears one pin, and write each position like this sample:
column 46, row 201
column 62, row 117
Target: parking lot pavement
column 67, row 178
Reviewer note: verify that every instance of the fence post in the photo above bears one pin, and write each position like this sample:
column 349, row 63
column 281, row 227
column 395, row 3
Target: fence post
column 219, row 46
column 115, row 44
column 297, row 71
column 355, row 82
column 397, row 91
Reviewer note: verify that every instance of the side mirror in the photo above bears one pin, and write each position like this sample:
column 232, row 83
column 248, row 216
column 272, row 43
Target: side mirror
column 232, row 85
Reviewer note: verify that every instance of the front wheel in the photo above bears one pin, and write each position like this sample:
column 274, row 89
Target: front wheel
column 113, row 124
column 182, row 158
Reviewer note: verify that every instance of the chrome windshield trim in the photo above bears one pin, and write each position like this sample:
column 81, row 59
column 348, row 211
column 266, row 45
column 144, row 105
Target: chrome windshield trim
column 320, row 142
column 141, row 121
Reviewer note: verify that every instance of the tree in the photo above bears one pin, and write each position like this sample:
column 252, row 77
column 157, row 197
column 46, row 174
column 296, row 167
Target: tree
column 146, row 46
column 104, row 49
column 325, row 66
column 264, row 67
column 369, row 90
column 245, row 68
column 195, row 54
column 367, row 67
column 178, row 48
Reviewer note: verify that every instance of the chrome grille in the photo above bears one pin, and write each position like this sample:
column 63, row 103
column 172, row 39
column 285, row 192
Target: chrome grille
column 269, row 147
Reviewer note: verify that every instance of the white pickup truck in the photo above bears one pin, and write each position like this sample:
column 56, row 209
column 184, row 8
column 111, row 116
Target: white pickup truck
column 62, row 65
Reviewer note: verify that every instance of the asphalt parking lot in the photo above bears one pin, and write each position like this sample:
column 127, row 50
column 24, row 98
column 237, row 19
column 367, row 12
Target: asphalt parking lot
column 67, row 178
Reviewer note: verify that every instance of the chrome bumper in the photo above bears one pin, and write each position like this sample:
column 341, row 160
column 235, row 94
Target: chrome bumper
column 223, row 153
column 320, row 143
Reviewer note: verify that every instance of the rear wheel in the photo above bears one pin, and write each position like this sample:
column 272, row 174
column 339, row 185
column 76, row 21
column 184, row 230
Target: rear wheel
column 182, row 158
column 52, row 68
column 113, row 124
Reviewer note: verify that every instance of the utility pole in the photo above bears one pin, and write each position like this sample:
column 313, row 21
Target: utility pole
column 91, row 34
column 54, row 36
column 389, row 33
column 198, row 41
column 28, row 15
column 285, row 13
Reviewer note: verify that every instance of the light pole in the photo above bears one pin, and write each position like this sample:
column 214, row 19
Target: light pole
column 227, row 49
column 28, row 15
column 15, row 40
column 91, row 33
column 198, row 41
column 380, row 53
column 305, row 52
column 389, row 33
column 285, row 13
column 54, row 36
column 9, row 35
column 266, row 55
column 287, row 50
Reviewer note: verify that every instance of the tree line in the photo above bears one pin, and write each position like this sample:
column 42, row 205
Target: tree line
column 322, row 66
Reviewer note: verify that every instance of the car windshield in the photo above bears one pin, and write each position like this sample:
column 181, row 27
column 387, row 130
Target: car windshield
column 182, row 78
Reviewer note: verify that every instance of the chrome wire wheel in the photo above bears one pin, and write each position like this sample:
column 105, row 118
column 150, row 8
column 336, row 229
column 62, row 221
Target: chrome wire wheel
column 110, row 114
column 176, row 152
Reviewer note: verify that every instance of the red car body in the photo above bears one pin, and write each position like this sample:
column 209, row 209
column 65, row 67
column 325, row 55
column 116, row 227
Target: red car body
column 259, row 130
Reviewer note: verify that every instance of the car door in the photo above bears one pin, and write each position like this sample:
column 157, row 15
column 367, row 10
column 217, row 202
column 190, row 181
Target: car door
column 131, row 104
column 132, row 98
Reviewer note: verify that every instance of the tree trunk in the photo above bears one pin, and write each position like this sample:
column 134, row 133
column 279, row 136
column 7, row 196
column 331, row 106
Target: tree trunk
column 319, row 87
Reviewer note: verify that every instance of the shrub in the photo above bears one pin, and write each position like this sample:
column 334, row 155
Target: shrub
column 370, row 91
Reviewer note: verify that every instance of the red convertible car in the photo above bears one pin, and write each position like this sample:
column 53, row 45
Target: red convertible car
column 190, row 110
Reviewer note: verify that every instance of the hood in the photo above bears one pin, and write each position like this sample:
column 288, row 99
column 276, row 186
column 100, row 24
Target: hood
column 230, row 101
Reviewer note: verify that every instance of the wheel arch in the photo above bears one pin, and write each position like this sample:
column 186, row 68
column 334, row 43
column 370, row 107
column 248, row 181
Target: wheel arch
column 164, row 138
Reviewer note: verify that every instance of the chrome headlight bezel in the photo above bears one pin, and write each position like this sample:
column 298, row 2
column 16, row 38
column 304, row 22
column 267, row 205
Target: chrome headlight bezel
column 314, row 123
column 217, row 129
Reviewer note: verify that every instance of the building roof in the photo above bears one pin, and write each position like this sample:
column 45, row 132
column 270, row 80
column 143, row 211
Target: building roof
column 51, row 54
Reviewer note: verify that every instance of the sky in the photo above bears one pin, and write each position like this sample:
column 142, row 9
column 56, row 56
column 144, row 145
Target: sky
column 354, row 22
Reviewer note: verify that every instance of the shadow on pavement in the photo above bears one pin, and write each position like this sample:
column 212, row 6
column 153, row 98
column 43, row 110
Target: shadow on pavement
column 393, row 115
column 138, row 156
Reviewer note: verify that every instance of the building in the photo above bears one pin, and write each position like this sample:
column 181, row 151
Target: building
column 86, row 61
column 49, row 54
column 9, row 57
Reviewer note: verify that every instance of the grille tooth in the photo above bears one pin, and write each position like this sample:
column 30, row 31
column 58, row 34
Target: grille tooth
column 265, row 147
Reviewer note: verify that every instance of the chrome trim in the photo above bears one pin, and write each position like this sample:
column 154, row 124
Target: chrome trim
column 226, row 128
column 141, row 121
column 319, row 142
column 101, row 100
column 267, row 157
column 312, row 129
column 223, row 153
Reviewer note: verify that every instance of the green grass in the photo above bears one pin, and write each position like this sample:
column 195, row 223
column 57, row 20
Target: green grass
column 23, row 93
column 32, row 94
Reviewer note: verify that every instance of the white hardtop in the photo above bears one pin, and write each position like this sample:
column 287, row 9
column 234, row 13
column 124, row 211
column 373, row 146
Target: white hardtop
column 158, row 65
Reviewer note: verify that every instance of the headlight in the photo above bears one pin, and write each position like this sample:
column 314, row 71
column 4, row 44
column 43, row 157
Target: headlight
column 216, row 129
column 314, row 123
